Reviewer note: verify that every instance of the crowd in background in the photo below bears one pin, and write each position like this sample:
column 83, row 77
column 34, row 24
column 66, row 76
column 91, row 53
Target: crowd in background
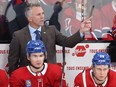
column 67, row 16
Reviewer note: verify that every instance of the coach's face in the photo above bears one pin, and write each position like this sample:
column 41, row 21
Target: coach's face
column 36, row 19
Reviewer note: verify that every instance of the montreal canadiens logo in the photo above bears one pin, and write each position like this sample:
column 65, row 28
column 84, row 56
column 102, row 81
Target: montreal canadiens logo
column 80, row 50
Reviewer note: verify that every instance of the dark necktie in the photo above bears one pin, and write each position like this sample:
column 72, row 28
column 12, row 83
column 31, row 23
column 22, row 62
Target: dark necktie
column 38, row 36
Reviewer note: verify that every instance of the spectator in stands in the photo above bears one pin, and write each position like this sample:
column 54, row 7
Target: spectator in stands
column 114, row 28
column 4, row 81
column 111, row 48
column 37, row 73
column 57, row 11
column 4, row 30
column 15, row 13
column 75, row 13
column 49, row 35
column 100, row 75
column 108, row 13
column 54, row 19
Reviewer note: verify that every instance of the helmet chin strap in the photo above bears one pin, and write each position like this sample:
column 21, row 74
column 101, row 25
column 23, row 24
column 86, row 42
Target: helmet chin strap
column 36, row 68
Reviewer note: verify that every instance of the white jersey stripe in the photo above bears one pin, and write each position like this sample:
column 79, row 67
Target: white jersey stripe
column 84, row 78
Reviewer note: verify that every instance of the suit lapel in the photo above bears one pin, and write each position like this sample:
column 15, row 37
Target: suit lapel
column 27, row 35
column 44, row 35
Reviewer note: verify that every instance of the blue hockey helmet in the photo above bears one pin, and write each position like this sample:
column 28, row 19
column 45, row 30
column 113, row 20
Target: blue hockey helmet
column 35, row 46
column 101, row 58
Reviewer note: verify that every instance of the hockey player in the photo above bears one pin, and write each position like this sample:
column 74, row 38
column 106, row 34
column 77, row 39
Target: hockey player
column 3, row 79
column 37, row 73
column 99, row 75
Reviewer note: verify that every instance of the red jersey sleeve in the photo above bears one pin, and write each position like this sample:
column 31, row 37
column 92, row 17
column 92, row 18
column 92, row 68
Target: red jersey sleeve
column 78, row 81
column 3, row 79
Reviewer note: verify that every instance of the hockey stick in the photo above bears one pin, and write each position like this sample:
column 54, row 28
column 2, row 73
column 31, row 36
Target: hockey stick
column 63, row 63
column 63, row 51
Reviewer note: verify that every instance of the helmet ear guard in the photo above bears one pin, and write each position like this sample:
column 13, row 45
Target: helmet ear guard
column 101, row 58
column 35, row 46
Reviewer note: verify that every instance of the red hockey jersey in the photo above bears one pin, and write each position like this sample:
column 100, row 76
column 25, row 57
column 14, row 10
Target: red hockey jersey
column 3, row 79
column 50, row 76
column 85, row 79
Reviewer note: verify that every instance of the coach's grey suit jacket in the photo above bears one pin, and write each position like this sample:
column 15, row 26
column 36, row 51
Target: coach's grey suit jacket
column 50, row 37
